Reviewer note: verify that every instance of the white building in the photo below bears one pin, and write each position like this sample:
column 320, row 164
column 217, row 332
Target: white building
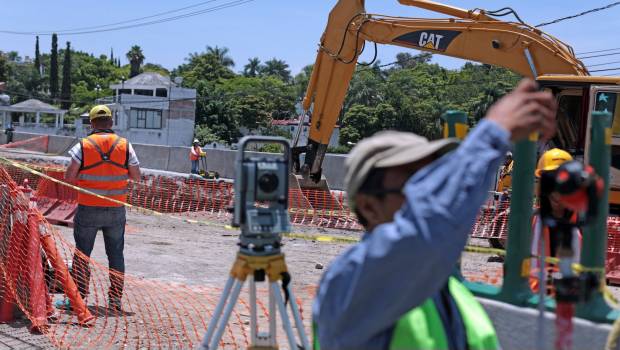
column 292, row 125
column 32, row 116
column 151, row 109
column 148, row 108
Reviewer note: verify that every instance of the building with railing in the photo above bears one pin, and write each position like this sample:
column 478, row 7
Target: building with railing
column 148, row 109
column 151, row 109
column 33, row 116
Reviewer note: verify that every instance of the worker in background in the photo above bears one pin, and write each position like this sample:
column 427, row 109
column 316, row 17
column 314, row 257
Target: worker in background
column 194, row 156
column 505, row 176
column 418, row 203
column 551, row 160
column 101, row 163
column 9, row 133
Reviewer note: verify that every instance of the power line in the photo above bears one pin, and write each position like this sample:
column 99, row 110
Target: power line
column 580, row 14
column 603, row 64
column 604, row 70
column 162, row 20
column 597, row 51
column 60, row 31
column 601, row 55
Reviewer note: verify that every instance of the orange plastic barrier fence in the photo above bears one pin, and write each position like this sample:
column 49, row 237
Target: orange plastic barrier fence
column 34, row 144
column 33, row 268
column 198, row 198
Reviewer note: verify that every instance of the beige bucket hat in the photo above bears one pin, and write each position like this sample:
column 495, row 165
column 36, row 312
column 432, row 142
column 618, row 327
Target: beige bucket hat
column 388, row 149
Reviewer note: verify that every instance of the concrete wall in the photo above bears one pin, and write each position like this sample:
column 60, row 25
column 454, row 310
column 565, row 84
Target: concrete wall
column 176, row 159
column 57, row 144
column 517, row 328
column 223, row 161
column 152, row 156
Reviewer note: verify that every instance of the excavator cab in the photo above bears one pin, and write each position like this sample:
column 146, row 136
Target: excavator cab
column 578, row 97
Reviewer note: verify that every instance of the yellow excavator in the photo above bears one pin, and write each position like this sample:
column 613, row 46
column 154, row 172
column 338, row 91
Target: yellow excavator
column 468, row 34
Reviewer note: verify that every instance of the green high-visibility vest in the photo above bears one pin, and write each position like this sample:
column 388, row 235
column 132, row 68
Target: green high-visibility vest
column 421, row 328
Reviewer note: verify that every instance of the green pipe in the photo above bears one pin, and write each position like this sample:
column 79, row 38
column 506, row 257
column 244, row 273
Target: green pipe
column 594, row 248
column 516, row 289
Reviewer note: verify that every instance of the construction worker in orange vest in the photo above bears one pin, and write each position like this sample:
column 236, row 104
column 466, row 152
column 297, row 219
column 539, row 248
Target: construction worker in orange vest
column 194, row 155
column 101, row 163
column 550, row 161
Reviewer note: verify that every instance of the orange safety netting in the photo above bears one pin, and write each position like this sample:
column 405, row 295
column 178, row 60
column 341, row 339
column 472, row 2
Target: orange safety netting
column 198, row 198
column 34, row 259
column 34, row 144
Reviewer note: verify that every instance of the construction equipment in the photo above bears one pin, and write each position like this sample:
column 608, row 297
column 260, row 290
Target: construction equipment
column 470, row 34
column 260, row 179
column 209, row 175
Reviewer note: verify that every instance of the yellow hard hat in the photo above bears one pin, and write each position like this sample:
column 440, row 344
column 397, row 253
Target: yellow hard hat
column 551, row 160
column 100, row 111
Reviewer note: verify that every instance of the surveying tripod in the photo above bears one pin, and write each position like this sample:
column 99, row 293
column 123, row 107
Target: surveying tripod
column 257, row 268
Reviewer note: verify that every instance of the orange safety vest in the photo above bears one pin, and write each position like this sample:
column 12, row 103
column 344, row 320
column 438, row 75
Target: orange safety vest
column 551, row 268
column 194, row 153
column 104, row 169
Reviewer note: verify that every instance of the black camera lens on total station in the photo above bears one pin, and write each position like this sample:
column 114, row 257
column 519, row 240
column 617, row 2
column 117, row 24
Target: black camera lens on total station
column 268, row 182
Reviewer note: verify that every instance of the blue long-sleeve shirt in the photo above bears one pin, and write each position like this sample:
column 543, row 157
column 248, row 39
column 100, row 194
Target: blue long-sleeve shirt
column 402, row 263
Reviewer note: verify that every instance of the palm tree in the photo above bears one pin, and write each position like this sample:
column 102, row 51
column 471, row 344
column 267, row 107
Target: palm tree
column 221, row 53
column 252, row 68
column 277, row 68
column 136, row 58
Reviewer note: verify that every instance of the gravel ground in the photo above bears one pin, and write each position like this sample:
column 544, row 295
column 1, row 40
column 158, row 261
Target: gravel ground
column 174, row 252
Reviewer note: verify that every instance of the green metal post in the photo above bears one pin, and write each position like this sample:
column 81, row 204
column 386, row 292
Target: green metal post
column 594, row 247
column 455, row 124
column 516, row 289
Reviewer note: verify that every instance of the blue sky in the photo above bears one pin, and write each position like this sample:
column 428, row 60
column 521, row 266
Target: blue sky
column 286, row 29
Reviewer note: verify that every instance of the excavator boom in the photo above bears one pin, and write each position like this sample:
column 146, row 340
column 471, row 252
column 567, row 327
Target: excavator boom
column 471, row 35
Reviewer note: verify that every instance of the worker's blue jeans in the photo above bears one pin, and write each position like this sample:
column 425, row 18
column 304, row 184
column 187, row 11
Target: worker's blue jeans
column 87, row 222
column 195, row 166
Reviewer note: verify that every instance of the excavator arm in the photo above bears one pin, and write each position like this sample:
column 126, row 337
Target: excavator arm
column 471, row 35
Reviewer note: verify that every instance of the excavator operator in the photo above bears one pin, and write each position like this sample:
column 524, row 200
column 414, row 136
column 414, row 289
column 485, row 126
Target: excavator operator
column 417, row 200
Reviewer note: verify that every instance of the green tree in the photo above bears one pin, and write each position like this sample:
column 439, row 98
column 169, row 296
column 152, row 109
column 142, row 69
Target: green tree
column 136, row 58
column 227, row 105
column 252, row 68
column 221, row 55
column 277, row 68
column 365, row 89
column 4, row 74
column 157, row 68
column 53, row 76
column 65, row 93
column 14, row 56
column 359, row 122
column 405, row 60
column 37, row 56
column 302, row 79
column 112, row 55
column 202, row 68
column 205, row 135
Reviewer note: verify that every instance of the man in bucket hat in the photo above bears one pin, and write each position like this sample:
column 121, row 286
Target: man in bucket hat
column 417, row 201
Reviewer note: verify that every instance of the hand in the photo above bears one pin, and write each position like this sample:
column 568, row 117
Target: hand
column 525, row 110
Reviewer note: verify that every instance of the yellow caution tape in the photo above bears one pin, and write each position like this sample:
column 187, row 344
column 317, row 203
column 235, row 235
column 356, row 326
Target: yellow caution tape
column 549, row 260
column 311, row 237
